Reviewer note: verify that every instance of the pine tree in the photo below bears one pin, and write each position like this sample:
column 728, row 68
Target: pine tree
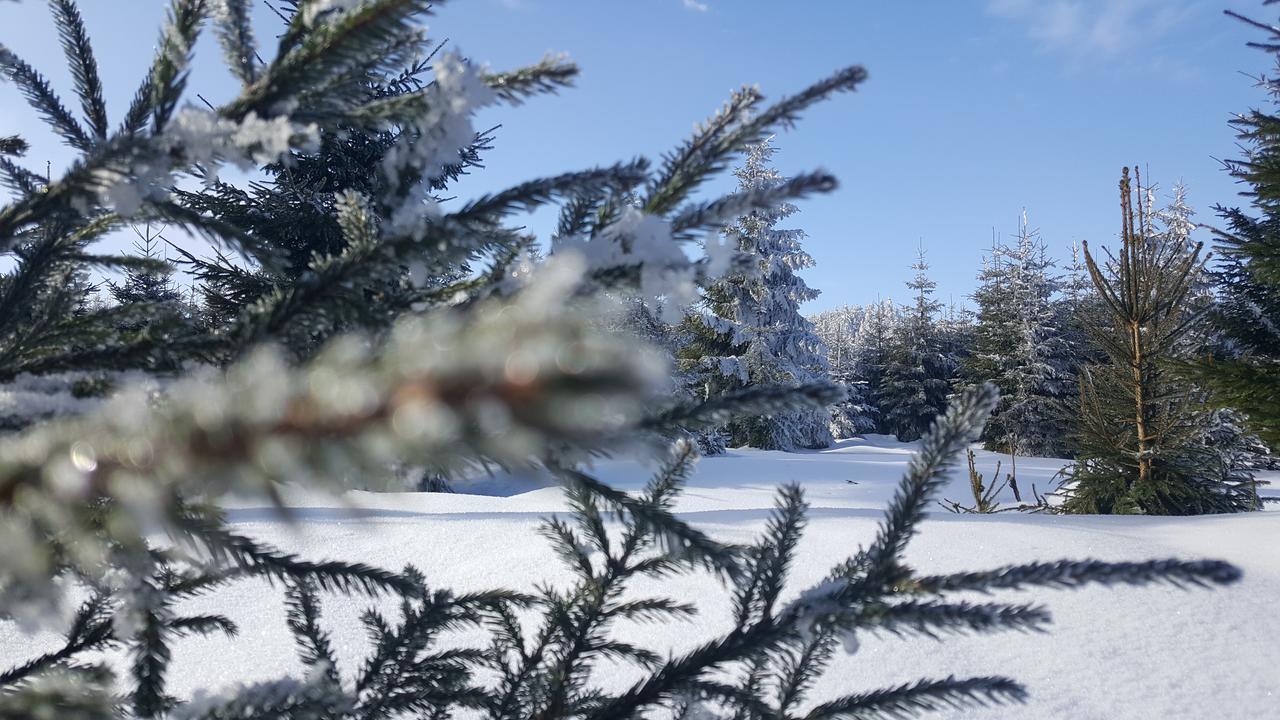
column 1246, row 376
column 1139, row 445
column 841, row 330
column 150, row 284
column 1237, row 452
column 918, row 370
column 755, row 334
column 1021, row 346
column 876, row 338
column 1039, row 378
column 995, row 330
column 1077, row 303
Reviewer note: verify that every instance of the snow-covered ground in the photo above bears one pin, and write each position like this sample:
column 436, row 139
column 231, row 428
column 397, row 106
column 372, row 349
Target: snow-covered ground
column 1112, row 653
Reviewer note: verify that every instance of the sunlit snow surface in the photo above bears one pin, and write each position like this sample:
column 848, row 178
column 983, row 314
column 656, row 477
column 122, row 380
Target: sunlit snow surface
column 1112, row 653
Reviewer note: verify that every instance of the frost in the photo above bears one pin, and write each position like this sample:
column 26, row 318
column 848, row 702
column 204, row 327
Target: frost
column 30, row 398
column 720, row 252
column 643, row 241
column 412, row 215
column 317, row 9
column 434, row 140
column 200, row 137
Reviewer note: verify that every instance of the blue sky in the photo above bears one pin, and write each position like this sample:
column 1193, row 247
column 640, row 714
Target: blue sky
column 974, row 110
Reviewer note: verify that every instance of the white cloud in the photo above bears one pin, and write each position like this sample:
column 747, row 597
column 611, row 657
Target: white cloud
column 695, row 6
column 1091, row 28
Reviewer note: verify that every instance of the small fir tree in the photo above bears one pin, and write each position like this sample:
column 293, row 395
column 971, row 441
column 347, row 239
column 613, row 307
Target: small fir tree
column 1020, row 346
column 995, row 330
column 876, row 338
column 1139, row 446
column 918, row 371
column 151, row 285
column 755, row 333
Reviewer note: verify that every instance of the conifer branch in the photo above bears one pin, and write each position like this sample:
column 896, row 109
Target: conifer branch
column 84, row 68
column 235, row 32
column 546, row 76
column 921, row 696
column 168, row 76
column 718, row 213
column 35, row 88
column 757, row 400
column 1073, row 574
column 13, row 145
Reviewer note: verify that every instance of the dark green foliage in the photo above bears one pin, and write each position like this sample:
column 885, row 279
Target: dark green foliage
column 758, row 400
column 84, row 68
column 1138, row 439
column 919, row 370
column 1247, row 376
column 154, row 302
column 13, row 145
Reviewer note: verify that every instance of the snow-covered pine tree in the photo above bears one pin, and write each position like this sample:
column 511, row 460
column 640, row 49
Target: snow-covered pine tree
column 995, row 330
column 294, row 207
column 1077, row 301
column 1020, row 345
column 752, row 332
column 955, row 331
column 1139, row 439
column 919, row 371
column 1039, row 378
column 875, row 342
column 836, row 328
column 840, row 330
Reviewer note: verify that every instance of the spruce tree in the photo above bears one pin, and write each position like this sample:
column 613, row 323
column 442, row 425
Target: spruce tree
column 918, row 371
column 1077, row 303
column 1237, row 452
column 754, row 333
column 1041, row 375
column 150, row 283
column 1020, row 345
column 876, row 339
column 1246, row 376
column 1138, row 442
column 995, row 329
column 841, row 330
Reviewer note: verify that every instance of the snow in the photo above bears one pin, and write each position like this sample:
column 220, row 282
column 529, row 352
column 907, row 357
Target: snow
column 200, row 137
column 29, row 398
column 1112, row 653
column 443, row 128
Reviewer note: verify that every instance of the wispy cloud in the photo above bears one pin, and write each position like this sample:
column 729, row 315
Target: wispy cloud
column 695, row 6
column 1093, row 28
